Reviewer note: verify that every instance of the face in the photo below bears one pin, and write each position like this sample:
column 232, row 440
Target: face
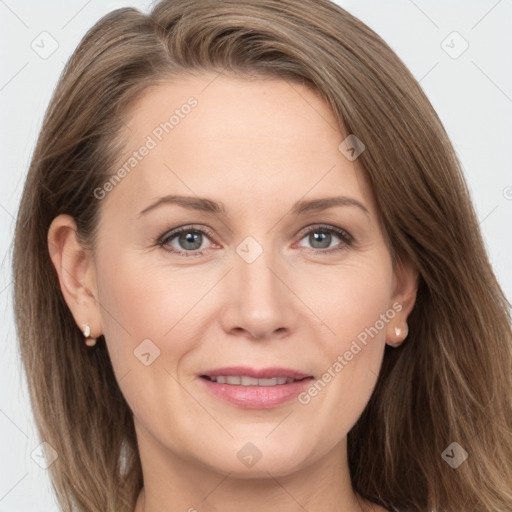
column 262, row 281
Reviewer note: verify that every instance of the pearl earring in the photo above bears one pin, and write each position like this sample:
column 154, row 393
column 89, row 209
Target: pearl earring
column 90, row 342
column 400, row 333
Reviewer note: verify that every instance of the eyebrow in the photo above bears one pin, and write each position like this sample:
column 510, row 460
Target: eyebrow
column 209, row 206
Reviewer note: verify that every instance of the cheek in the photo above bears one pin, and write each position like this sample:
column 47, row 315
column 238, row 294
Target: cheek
column 352, row 357
column 359, row 318
column 146, row 301
column 358, row 296
column 139, row 309
column 362, row 303
column 144, row 309
column 351, row 300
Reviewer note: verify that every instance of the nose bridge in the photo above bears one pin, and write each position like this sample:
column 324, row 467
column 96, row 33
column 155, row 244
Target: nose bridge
column 255, row 267
column 261, row 303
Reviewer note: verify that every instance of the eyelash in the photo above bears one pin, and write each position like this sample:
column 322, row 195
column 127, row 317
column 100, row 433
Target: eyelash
column 166, row 237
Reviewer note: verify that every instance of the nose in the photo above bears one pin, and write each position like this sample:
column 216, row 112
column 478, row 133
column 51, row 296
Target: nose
column 260, row 302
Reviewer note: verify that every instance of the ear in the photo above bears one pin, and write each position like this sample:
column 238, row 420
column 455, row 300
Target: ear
column 76, row 272
column 405, row 288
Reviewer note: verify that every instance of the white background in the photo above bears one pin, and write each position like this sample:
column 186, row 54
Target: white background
column 472, row 95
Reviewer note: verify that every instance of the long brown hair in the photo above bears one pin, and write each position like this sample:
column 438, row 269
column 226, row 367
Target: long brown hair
column 452, row 379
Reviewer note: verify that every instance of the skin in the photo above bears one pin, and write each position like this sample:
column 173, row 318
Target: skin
column 258, row 146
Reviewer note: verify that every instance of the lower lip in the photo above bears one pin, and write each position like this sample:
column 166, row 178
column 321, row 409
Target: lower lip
column 257, row 397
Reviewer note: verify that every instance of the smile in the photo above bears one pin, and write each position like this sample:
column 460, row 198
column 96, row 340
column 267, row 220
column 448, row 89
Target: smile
column 245, row 380
column 261, row 389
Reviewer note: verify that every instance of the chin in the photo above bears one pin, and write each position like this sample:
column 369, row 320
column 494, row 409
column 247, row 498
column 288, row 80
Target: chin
column 268, row 465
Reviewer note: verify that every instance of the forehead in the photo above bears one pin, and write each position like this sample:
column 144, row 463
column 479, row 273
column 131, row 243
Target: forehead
column 229, row 136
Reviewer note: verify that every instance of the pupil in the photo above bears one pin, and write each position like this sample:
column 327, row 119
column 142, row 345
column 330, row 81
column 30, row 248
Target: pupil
column 322, row 237
column 189, row 240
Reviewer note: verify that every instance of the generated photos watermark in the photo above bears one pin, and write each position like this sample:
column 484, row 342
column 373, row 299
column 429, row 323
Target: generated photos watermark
column 152, row 140
column 343, row 360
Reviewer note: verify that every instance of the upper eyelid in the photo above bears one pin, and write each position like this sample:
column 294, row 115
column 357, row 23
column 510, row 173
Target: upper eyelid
column 324, row 227
column 169, row 235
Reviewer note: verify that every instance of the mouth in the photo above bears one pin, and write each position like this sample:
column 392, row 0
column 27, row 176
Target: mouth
column 255, row 389
column 245, row 380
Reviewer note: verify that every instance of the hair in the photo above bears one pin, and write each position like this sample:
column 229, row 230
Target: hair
column 451, row 380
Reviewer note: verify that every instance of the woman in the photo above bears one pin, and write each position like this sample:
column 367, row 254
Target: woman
column 255, row 218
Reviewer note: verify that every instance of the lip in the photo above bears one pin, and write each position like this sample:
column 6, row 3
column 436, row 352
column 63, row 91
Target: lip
column 256, row 397
column 262, row 373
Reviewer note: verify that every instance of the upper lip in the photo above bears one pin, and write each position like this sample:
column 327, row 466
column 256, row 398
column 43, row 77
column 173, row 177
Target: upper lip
column 261, row 373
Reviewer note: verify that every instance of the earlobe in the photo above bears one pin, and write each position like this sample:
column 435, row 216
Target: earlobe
column 406, row 288
column 75, row 270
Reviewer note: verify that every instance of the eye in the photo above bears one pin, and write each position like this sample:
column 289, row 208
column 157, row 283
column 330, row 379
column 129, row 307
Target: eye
column 321, row 236
column 189, row 240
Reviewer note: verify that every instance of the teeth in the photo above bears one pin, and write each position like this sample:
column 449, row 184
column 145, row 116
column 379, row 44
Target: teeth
column 248, row 381
column 244, row 380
